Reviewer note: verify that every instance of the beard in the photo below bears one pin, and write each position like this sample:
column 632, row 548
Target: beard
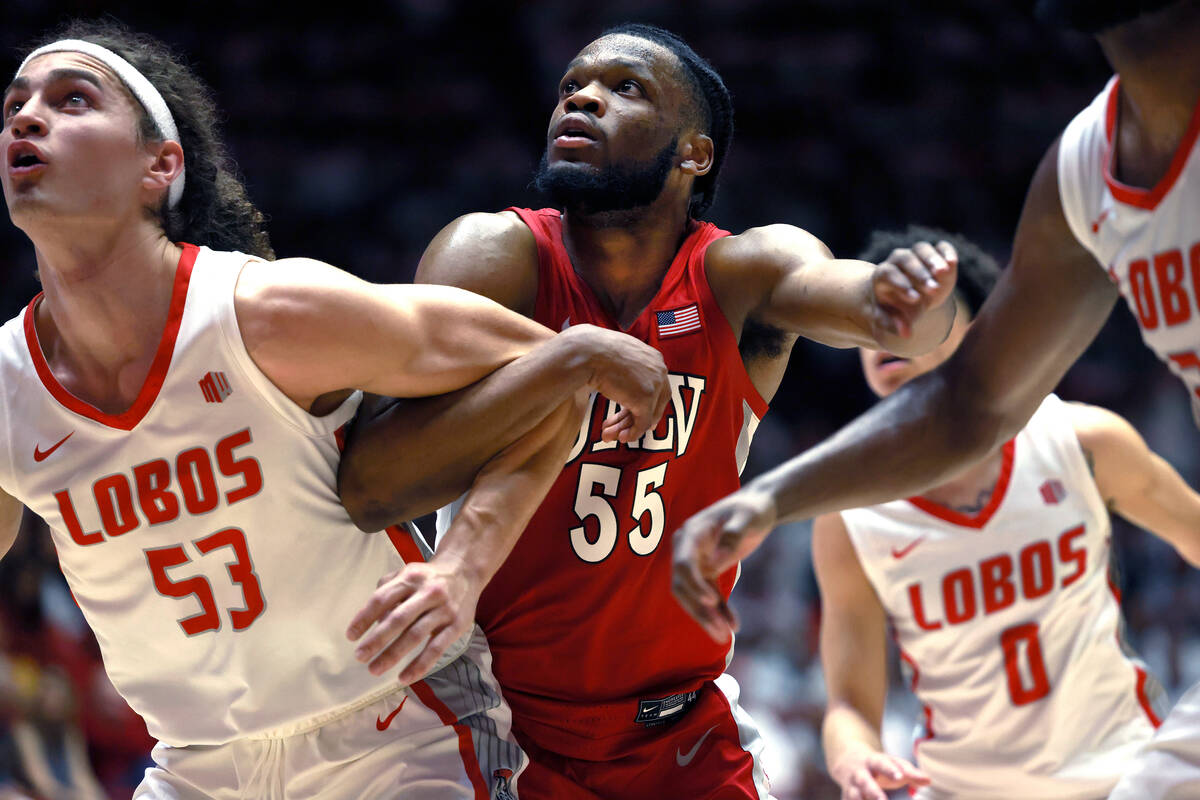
column 588, row 191
column 1094, row 16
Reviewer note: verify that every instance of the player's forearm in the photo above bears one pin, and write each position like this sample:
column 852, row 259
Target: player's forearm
column 928, row 331
column 507, row 492
column 846, row 731
column 418, row 455
column 453, row 338
column 918, row 437
column 1168, row 508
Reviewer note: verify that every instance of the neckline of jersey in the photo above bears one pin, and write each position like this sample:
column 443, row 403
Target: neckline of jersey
column 678, row 263
column 984, row 515
column 128, row 419
column 1135, row 195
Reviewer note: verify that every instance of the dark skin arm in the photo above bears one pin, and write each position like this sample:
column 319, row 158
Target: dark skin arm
column 1047, row 308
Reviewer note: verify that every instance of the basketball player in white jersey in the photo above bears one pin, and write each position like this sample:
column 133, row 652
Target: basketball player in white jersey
column 996, row 585
column 172, row 412
column 1113, row 209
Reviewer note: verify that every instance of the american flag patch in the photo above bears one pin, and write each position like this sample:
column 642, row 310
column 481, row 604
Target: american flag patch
column 678, row 321
column 1053, row 492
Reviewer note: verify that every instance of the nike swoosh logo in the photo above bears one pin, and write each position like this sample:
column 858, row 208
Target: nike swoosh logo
column 683, row 759
column 382, row 724
column 903, row 551
column 41, row 455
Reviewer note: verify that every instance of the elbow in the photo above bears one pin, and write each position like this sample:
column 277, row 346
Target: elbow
column 367, row 515
column 370, row 507
column 1191, row 553
column 375, row 505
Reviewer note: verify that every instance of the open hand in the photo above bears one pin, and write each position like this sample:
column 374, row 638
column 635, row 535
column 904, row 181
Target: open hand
column 414, row 616
column 866, row 774
column 711, row 542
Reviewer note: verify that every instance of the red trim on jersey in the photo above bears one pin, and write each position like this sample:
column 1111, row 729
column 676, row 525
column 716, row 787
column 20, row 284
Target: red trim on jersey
column 128, row 419
column 402, row 540
column 985, row 514
column 1140, row 688
column 466, row 746
column 1135, row 195
column 546, row 226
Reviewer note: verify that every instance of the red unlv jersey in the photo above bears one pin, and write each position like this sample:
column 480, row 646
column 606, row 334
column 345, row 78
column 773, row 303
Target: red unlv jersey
column 581, row 620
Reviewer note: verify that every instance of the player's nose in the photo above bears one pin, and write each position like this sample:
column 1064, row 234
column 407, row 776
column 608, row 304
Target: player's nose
column 27, row 120
column 589, row 98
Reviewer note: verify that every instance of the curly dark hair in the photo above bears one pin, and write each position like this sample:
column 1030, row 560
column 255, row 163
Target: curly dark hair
column 215, row 210
column 977, row 271
column 710, row 99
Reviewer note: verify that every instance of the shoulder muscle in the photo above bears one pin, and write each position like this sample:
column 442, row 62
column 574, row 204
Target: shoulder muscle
column 491, row 254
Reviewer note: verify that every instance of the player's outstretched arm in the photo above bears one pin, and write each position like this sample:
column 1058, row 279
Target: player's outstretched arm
column 785, row 277
column 1047, row 307
column 430, row 606
column 409, row 457
column 1136, row 482
column 315, row 330
column 853, row 658
column 10, row 521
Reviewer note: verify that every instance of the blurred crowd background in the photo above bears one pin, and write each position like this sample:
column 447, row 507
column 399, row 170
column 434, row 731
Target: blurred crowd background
column 362, row 129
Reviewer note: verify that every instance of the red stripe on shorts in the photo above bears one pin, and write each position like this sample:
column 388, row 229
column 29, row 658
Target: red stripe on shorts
column 466, row 747
column 405, row 546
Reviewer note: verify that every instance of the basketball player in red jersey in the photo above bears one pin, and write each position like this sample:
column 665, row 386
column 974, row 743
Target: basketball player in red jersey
column 615, row 692
column 1113, row 210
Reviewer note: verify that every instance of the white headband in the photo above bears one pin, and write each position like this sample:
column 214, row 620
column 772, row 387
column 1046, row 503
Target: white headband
column 138, row 86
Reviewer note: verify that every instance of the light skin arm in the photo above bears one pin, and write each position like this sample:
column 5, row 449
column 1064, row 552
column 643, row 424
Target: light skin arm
column 10, row 521
column 1137, row 483
column 503, row 438
column 1046, row 309
column 315, row 330
column 407, row 458
column 854, row 661
column 785, row 277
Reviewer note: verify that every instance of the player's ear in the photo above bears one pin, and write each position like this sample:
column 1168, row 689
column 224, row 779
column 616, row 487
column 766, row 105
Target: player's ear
column 165, row 166
column 696, row 154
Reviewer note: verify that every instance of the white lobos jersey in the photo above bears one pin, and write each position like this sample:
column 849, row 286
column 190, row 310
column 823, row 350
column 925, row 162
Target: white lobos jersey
column 1147, row 239
column 200, row 531
column 1010, row 626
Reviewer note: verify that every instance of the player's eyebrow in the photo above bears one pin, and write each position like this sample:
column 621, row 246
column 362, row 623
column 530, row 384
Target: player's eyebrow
column 60, row 74
column 632, row 64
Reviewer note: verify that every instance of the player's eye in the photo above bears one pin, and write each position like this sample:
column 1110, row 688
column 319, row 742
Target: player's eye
column 629, row 86
column 10, row 109
column 568, row 87
column 76, row 100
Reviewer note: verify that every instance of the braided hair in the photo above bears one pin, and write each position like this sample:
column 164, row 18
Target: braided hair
column 215, row 209
column 710, row 99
